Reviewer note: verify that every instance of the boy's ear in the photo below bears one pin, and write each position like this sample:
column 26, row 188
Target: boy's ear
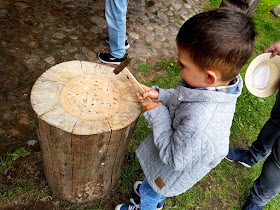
column 211, row 77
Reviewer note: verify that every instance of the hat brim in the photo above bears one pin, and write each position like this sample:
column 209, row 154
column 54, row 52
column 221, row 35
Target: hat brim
column 274, row 64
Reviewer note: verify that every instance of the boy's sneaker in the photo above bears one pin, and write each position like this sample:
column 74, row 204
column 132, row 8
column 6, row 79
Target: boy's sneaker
column 136, row 188
column 108, row 58
column 126, row 44
column 240, row 156
column 250, row 205
column 132, row 206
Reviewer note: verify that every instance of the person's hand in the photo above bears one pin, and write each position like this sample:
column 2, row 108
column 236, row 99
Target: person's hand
column 150, row 92
column 274, row 49
column 148, row 105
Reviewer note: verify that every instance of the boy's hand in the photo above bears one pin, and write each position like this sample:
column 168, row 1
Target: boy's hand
column 150, row 92
column 274, row 49
column 148, row 105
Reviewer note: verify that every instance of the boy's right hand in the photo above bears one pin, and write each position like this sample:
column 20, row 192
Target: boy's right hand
column 150, row 92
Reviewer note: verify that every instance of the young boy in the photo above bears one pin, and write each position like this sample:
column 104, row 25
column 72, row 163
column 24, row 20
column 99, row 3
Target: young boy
column 191, row 125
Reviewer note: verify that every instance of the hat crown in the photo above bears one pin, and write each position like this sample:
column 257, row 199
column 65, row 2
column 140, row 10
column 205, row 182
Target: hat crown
column 261, row 76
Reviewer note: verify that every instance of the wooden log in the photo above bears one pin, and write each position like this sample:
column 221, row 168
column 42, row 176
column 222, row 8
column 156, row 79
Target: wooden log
column 86, row 115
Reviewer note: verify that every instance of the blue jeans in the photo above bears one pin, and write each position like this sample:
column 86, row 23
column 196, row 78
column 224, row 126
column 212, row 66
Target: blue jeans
column 268, row 183
column 149, row 198
column 115, row 12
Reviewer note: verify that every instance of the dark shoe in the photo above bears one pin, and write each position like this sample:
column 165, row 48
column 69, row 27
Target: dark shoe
column 132, row 206
column 126, row 44
column 108, row 58
column 136, row 188
column 240, row 156
column 250, row 205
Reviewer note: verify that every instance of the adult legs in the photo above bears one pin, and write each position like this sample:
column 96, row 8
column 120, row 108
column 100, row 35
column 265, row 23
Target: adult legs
column 115, row 12
column 270, row 131
column 268, row 184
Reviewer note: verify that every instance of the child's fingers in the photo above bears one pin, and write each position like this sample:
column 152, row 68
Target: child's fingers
column 150, row 92
column 146, row 105
column 146, row 88
column 146, row 94
column 140, row 98
column 153, row 94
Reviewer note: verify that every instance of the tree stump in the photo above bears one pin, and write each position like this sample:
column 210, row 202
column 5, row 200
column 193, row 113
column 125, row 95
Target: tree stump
column 86, row 115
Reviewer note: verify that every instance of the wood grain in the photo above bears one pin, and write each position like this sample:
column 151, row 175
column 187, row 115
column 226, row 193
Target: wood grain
column 86, row 115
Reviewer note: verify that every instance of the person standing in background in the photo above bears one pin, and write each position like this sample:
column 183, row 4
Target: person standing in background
column 267, row 186
column 115, row 12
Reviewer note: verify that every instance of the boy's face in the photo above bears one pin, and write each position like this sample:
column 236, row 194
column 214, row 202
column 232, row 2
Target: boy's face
column 190, row 72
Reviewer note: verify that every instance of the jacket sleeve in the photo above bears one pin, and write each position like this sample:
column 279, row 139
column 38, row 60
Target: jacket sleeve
column 178, row 148
column 164, row 95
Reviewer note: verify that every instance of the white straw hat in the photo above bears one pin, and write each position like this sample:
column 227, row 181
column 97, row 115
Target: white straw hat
column 263, row 75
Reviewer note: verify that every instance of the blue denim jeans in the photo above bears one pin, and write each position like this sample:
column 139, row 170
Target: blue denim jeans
column 149, row 198
column 115, row 12
column 268, row 183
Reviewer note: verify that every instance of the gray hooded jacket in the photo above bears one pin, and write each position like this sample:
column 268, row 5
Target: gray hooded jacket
column 190, row 136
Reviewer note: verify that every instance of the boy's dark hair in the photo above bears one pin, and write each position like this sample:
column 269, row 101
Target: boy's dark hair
column 220, row 38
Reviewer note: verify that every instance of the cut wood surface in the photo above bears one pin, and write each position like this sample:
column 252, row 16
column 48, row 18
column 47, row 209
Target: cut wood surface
column 86, row 115
column 85, row 98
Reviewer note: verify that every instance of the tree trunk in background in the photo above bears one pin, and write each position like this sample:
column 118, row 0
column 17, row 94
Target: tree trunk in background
column 247, row 6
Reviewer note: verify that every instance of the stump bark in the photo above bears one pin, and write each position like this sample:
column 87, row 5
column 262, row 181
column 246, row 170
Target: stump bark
column 86, row 115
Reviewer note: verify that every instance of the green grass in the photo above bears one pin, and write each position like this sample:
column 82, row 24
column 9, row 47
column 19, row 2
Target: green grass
column 22, row 181
column 21, row 152
column 148, row 44
column 6, row 161
column 213, row 4
column 5, row 164
column 144, row 68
